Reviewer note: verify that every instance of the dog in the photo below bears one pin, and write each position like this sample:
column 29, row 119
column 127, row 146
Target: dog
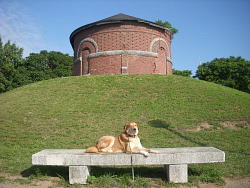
column 127, row 142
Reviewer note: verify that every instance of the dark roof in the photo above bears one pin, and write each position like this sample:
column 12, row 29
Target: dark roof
column 118, row 18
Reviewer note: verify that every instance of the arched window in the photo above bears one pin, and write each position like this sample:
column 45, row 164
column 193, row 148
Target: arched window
column 85, row 48
column 87, row 43
column 160, row 46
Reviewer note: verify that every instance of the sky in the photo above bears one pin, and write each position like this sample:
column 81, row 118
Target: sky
column 208, row 29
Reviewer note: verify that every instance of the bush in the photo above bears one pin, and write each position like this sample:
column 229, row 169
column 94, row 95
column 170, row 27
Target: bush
column 186, row 73
column 15, row 71
column 233, row 72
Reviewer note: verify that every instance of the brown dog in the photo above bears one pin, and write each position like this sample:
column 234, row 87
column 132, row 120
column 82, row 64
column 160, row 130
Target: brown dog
column 128, row 141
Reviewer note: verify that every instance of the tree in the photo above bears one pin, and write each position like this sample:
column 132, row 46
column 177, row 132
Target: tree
column 46, row 65
column 10, row 59
column 186, row 73
column 167, row 25
column 16, row 71
column 233, row 72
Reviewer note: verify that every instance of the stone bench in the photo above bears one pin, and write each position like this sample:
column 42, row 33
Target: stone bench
column 175, row 160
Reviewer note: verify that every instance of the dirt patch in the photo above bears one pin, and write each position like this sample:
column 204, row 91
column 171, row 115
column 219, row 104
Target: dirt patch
column 18, row 181
column 144, row 119
column 199, row 127
column 229, row 183
column 236, row 125
column 242, row 183
column 40, row 184
column 11, row 177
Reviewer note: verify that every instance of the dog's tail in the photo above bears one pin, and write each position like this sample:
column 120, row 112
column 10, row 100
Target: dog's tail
column 92, row 149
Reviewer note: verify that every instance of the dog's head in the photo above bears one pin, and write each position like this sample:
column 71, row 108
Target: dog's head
column 131, row 129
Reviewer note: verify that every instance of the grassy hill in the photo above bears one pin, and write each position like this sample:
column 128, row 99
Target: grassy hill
column 172, row 111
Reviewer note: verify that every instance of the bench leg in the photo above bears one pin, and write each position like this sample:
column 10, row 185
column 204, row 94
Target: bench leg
column 78, row 174
column 177, row 173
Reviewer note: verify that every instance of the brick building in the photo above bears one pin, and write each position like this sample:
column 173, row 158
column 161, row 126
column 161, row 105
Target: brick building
column 121, row 44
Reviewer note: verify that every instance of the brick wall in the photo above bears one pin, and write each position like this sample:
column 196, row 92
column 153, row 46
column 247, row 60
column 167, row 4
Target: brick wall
column 106, row 65
column 122, row 39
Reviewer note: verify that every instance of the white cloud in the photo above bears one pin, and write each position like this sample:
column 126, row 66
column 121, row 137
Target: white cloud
column 18, row 26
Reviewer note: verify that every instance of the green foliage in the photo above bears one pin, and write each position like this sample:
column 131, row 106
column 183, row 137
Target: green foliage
column 167, row 25
column 186, row 73
column 16, row 71
column 10, row 58
column 46, row 65
column 233, row 72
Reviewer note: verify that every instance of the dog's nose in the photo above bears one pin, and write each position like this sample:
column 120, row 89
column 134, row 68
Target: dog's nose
column 134, row 129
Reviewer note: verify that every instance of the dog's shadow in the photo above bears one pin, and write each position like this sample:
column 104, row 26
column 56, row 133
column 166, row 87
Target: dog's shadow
column 159, row 124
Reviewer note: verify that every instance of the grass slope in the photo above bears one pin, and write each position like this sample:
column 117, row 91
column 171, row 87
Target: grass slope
column 74, row 112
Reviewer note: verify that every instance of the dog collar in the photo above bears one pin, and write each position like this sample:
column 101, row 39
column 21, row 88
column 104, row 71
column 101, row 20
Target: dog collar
column 133, row 136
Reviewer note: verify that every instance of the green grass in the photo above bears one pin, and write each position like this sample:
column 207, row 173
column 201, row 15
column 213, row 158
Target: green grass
column 74, row 112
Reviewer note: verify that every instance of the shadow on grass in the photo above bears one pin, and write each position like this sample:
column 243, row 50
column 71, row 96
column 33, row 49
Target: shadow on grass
column 163, row 124
column 41, row 171
column 97, row 171
column 141, row 171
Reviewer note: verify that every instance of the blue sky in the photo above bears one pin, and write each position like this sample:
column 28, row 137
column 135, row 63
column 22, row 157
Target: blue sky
column 207, row 28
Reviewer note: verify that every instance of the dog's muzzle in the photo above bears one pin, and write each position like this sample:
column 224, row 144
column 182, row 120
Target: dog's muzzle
column 132, row 132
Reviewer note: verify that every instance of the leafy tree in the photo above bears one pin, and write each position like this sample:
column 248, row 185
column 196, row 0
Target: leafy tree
column 233, row 72
column 10, row 58
column 46, row 65
column 167, row 25
column 16, row 71
column 186, row 73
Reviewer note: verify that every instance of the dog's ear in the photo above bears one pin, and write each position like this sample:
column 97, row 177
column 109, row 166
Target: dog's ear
column 126, row 125
column 138, row 126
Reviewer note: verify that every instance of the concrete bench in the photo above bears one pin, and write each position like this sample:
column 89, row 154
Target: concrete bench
column 175, row 160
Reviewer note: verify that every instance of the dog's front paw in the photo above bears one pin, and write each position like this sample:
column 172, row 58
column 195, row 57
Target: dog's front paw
column 146, row 154
column 153, row 151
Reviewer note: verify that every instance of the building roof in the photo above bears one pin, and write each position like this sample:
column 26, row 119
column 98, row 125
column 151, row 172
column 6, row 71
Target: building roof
column 118, row 18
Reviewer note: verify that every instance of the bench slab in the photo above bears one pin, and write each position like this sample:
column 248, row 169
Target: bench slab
column 78, row 157
column 175, row 160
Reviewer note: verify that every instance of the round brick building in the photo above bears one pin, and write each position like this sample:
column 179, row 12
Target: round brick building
column 121, row 44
